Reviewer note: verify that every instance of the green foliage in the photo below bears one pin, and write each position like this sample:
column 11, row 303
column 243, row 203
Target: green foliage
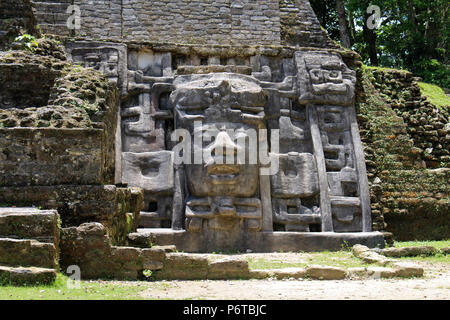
column 435, row 95
column 28, row 42
column 413, row 34
column 435, row 244
column 432, row 71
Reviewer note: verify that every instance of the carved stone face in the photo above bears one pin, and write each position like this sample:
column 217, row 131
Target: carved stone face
column 324, row 78
column 222, row 173
column 218, row 104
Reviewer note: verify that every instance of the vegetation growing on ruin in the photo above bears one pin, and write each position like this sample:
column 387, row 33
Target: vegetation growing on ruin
column 77, row 97
column 435, row 95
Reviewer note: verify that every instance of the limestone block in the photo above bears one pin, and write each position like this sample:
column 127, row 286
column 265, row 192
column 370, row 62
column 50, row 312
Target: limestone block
column 29, row 223
column 151, row 171
column 153, row 254
column 381, row 272
column 410, row 251
column 289, row 273
column 26, row 276
column 325, row 273
column 180, row 266
column 261, row 274
column 27, row 253
column 228, row 268
column 406, row 269
column 357, row 272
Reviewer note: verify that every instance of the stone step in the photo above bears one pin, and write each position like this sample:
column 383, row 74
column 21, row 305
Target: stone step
column 148, row 220
column 26, row 276
column 145, row 238
column 27, row 253
column 29, row 223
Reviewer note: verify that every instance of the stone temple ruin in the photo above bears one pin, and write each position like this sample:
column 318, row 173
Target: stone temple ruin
column 231, row 68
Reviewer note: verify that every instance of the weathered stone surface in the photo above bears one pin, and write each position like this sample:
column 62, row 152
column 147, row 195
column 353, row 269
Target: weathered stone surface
column 445, row 250
column 26, row 276
column 153, row 254
column 140, row 239
column 88, row 247
column 288, row 273
column 260, row 274
column 407, row 270
column 59, row 129
column 152, row 265
column 369, row 256
column 257, row 242
column 381, row 272
column 410, row 251
column 357, row 273
column 228, row 268
column 51, row 156
column 29, row 223
column 325, row 273
column 179, row 266
column 17, row 18
column 27, row 253
column 359, row 250
column 166, row 249
column 299, row 25
column 117, row 208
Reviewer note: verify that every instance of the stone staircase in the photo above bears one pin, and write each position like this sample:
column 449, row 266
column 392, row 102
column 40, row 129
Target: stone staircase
column 28, row 246
column 147, row 237
column 52, row 16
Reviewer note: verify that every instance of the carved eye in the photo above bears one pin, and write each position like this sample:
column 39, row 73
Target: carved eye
column 334, row 74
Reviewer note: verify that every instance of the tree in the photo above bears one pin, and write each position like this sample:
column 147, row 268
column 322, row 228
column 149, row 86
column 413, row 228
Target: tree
column 413, row 35
column 345, row 37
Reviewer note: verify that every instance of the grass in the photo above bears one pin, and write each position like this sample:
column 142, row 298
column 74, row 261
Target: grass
column 438, row 258
column 383, row 68
column 89, row 290
column 434, row 94
column 343, row 259
column 436, row 244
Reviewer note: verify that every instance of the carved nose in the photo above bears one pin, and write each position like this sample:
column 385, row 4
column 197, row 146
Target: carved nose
column 223, row 141
column 221, row 147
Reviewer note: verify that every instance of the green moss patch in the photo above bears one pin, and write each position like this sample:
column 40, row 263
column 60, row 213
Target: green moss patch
column 435, row 95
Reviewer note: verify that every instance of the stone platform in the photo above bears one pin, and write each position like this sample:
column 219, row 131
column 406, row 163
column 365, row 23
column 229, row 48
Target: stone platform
column 257, row 242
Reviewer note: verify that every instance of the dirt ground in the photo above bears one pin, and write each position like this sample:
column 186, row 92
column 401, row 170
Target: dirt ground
column 435, row 285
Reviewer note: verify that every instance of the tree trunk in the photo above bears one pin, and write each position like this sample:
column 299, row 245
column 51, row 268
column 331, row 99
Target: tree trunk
column 343, row 28
column 352, row 27
column 370, row 37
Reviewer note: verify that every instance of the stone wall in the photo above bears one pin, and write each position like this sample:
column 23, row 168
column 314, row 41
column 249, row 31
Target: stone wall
column 45, row 156
column 409, row 192
column 88, row 246
column 16, row 16
column 52, row 16
column 299, row 25
column 42, row 99
column 116, row 208
column 427, row 125
column 57, row 140
column 224, row 22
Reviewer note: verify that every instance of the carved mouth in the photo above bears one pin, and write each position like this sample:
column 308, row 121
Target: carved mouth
column 331, row 88
column 223, row 174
